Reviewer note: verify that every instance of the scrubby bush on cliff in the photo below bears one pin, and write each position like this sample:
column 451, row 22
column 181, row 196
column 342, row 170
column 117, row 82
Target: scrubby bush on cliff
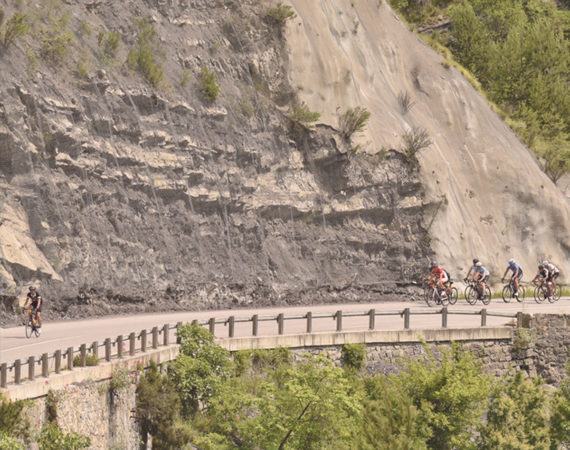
column 56, row 40
column 415, row 140
column 109, row 44
column 302, row 118
column 353, row 120
column 209, row 86
column 145, row 56
column 16, row 27
column 280, row 14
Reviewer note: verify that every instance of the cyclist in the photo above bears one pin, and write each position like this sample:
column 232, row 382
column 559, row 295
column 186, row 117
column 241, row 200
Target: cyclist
column 471, row 269
column 553, row 274
column 439, row 276
column 35, row 300
column 542, row 273
column 481, row 276
column 516, row 275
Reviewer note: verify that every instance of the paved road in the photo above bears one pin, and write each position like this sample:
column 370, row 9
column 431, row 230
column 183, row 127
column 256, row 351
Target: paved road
column 61, row 335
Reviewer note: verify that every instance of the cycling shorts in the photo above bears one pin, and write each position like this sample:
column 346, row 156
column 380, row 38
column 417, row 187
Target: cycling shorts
column 518, row 277
column 35, row 306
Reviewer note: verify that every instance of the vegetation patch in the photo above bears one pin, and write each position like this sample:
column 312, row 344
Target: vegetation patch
column 353, row 121
column 147, row 53
column 209, row 86
column 16, row 27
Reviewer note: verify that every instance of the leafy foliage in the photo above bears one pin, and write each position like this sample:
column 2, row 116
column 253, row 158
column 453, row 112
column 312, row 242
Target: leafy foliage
column 209, row 86
column 560, row 419
column 450, row 395
column 145, row 56
column 353, row 120
column 158, row 410
column 10, row 443
column 109, row 43
column 354, row 355
column 56, row 41
column 52, row 438
column 200, row 368
column 517, row 416
column 10, row 416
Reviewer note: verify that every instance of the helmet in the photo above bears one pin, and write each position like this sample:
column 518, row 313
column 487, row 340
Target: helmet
column 540, row 266
column 32, row 288
column 433, row 263
column 478, row 264
column 475, row 260
column 545, row 263
column 511, row 261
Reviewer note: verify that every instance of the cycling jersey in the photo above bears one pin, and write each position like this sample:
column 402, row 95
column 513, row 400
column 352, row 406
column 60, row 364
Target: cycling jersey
column 552, row 268
column 482, row 270
column 543, row 273
column 440, row 273
column 514, row 268
column 35, row 299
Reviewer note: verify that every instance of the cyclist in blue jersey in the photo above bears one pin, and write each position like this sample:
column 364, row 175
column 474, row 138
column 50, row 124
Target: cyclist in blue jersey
column 516, row 275
column 481, row 275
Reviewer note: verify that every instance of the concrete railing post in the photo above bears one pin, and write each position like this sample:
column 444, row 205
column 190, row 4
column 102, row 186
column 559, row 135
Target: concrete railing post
column 444, row 317
column 483, row 317
column 70, row 358
column 231, row 326
column 519, row 319
column 371, row 319
column 178, row 326
column 82, row 355
column 212, row 325
column 120, row 346
column 108, row 349
column 338, row 316
column 132, row 343
column 281, row 323
column 407, row 318
column 95, row 349
column 165, row 334
column 255, row 325
column 57, row 358
column 143, row 341
column 155, row 337
column 31, row 368
column 309, row 322
column 3, row 375
column 17, row 371
column 45, row 368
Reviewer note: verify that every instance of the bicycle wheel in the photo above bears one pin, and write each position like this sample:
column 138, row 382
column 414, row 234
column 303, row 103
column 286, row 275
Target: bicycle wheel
column 429, row 297
column 522, row 294
column 486, row 296
column 443, row 299
column 558, row 292
column 539, row 294
column 28, row 328
column 507, row 293
column 453, row 296
column 470, row 295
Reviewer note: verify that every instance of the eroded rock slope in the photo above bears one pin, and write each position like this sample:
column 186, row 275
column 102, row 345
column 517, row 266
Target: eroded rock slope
column 118, row 196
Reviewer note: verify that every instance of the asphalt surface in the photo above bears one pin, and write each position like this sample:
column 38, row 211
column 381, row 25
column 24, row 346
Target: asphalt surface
column 61, row 335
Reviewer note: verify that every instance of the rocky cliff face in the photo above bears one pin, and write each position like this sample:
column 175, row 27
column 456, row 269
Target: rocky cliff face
column 119, row 196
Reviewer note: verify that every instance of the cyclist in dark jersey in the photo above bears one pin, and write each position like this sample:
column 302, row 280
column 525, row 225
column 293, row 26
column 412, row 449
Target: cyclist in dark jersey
column 35, row 300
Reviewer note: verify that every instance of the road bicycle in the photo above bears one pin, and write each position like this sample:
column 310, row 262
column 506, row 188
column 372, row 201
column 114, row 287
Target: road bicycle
column 540, row 292
column 473, row 292
column 433, row 295
column 31, row 322
column 509, row 292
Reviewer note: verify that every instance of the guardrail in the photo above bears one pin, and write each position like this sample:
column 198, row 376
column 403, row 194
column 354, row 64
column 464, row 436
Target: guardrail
column 153, row 338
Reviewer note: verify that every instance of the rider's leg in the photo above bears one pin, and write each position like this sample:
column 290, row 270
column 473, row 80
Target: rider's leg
column 39, row 314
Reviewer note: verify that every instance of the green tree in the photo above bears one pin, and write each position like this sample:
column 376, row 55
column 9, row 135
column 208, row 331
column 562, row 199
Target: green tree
column 158, row 410
column 200, row 368
column 517, row 415
column 451, row 395
column 560, row 418
column 310, row 405
column 389, row 416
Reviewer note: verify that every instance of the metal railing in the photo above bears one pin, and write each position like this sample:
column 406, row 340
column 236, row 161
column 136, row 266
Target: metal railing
column 150, row 339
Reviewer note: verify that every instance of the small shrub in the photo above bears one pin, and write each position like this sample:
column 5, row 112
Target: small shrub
column 280, row 14
column 524, row 339
column 109, row 43
column 353, row 120
column 90, row 360
column 11, row 416
column 84, row 29
column 145, row 56
column 356, row 25
column 56, row 44
column 245, row 107
column 445, row 63
column 16, row 27
column 119, row 378
column 302, row 118
column 185, row 78
column 354, row 355
column 52, row 438
column 209, row 86
column 10, row 443
column 415, row 140
column 81, row 69
column 405, row 102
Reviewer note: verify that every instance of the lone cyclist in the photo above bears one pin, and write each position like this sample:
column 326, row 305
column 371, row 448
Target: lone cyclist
column 35, row 300
column 516, row 275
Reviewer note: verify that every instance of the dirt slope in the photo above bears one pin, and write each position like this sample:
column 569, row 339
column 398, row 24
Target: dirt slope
column 496, row 203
